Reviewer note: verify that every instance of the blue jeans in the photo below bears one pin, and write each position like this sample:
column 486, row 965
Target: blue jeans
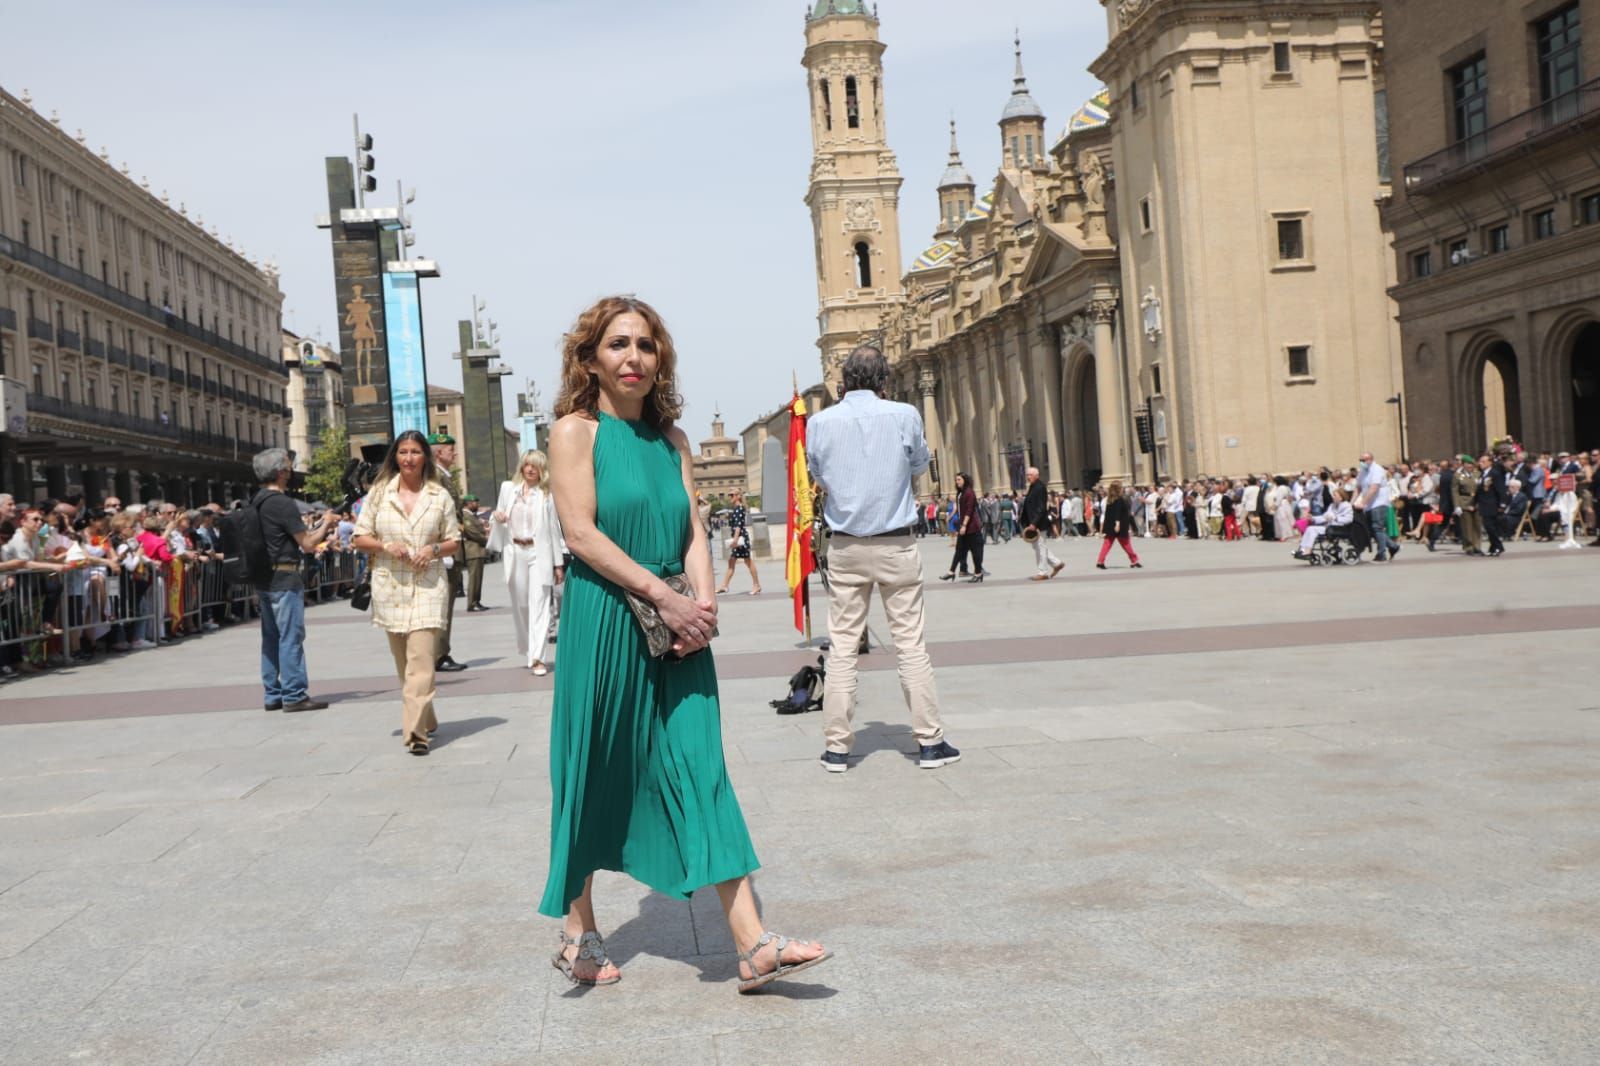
column 283, row 639
column 1378, row 522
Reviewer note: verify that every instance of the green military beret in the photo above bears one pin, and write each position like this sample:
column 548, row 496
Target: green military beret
column 441, row 438
column 469, row 498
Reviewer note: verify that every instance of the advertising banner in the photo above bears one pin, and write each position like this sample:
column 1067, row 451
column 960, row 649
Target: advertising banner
column 408, row 375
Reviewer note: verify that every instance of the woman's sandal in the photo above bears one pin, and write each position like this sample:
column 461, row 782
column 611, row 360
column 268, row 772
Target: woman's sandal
column 590, row 947
column 780, row 969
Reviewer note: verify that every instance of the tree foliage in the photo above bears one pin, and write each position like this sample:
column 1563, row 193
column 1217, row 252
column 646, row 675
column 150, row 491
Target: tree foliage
column 327, row 467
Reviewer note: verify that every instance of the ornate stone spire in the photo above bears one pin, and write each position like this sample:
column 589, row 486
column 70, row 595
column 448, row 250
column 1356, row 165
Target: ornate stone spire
column 955, row 173
column 1022, row 103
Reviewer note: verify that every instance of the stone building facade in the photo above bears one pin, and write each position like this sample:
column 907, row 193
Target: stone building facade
column 145, row 349
column 315, row 393
column 1495, row 119
column 1189, row 278
column 719, row 468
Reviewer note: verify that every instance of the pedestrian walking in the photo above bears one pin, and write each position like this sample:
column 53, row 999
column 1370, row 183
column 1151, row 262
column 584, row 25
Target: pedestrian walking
column 739, row 546
column 409, row 527
column 1035, row 523
column 637, row 777
column 1376, row 500
column 528, row 533
column 965, row 523
column 864, row 451
column 1117, row 526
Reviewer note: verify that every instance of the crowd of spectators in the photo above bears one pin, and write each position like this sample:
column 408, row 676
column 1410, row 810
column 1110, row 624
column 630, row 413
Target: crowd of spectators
column 81, row 579
column 1513, row 493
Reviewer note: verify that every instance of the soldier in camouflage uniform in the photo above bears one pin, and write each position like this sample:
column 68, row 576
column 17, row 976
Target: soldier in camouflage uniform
column 1465, row 489
column 473, row 540
column 443, row 446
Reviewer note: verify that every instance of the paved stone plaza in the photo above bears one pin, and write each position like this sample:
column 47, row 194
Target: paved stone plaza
column 1226, row 809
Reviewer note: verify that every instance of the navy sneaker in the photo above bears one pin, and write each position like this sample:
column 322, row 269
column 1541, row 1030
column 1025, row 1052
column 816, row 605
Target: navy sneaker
column 835, row 762
column 937, row 755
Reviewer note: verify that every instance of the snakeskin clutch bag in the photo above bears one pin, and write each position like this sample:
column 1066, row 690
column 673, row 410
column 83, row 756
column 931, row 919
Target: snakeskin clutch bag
column 657, row 634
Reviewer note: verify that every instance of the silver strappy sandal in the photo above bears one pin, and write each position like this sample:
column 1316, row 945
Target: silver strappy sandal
column 590, row 947
column 781, row 969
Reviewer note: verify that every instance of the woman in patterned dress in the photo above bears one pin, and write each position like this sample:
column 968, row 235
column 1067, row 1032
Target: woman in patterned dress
column 739, row 546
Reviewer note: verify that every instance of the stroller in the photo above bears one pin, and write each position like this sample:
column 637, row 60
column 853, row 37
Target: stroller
column 1341, row 545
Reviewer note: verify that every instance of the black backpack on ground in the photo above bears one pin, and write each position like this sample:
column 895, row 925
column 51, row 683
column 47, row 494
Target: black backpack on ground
column 244, row 546
column 805, row 690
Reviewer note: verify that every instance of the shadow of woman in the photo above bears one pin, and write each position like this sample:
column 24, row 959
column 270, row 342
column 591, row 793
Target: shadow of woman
column 710, row 950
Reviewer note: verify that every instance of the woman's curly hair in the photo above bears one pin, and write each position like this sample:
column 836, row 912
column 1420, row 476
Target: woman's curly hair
column 580, row 388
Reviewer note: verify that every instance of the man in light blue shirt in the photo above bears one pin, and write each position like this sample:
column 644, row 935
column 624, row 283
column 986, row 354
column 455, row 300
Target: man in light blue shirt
column 864, row 452
column 1372, row 496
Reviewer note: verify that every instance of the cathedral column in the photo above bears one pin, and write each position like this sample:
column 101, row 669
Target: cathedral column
column 1022, row 396
column 1108, row 388
column 927, row 385
column 1047, row 374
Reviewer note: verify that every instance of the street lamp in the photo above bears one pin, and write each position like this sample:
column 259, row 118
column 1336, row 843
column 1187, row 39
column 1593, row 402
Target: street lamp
column 1400, row 422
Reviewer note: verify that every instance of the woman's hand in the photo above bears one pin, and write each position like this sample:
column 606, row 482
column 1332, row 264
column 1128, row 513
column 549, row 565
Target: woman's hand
column 690, row 620
column 398, row 550
column 502, row 517
column 425, row 556
column 561, row 574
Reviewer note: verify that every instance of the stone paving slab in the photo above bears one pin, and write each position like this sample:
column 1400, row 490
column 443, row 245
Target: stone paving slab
column 1221, row 810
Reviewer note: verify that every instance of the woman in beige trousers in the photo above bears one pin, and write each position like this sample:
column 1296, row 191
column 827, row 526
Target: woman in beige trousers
column 408, row 525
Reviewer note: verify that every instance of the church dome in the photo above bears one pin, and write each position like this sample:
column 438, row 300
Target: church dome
column 825, row 8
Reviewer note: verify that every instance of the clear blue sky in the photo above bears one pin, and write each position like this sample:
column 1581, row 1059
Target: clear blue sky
column 561, row 150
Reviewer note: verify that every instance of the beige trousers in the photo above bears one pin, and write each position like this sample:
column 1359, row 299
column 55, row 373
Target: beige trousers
column 415, row 654
column 894, row 565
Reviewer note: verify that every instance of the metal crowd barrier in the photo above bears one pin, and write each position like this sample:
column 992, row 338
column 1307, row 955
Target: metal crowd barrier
column 44, row 616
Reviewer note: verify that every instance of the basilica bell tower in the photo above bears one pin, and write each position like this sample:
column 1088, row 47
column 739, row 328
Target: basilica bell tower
column 854, row 193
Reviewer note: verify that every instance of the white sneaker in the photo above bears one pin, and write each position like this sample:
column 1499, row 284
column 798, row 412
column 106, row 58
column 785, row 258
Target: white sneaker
column 141, row 644
column 121, row 645
column 210, row 627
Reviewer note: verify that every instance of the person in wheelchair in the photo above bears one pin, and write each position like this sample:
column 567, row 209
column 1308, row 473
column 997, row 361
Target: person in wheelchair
column 1336, row 518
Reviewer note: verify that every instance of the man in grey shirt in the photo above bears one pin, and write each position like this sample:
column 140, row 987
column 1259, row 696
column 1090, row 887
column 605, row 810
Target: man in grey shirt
column 864, row 452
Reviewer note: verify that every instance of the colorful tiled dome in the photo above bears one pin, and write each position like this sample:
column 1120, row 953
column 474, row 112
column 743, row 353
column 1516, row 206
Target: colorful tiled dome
column 936, row 255
column 1092, row 115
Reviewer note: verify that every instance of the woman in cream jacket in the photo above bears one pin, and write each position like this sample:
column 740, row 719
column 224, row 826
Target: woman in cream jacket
column 528, row 534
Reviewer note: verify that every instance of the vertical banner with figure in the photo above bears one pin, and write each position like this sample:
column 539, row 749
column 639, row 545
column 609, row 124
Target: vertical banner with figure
column 801, row 560
column 408, row 373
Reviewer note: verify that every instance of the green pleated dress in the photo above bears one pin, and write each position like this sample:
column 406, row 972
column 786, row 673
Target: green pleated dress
column 637, row 779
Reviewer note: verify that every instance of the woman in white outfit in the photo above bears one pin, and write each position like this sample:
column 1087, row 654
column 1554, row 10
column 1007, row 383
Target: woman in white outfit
column 528, row 534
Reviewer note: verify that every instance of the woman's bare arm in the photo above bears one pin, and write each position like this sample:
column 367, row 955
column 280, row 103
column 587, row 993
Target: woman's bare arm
column 572, row 481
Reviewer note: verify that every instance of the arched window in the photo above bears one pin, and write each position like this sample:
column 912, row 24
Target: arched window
column 827, row 106
column 1016, row 153
column 852, row 104
column 863, row 265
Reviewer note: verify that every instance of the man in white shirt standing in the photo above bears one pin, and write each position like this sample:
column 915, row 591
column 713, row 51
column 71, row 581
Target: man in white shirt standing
column 1372, row 489
column 864, row 451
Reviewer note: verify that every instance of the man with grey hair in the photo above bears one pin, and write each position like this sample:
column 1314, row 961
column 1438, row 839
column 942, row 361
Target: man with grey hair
column 864, row 452
column 282, row 596
column 1036, row 517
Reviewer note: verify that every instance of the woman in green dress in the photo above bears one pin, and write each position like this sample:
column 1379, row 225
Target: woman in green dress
column 637, row 778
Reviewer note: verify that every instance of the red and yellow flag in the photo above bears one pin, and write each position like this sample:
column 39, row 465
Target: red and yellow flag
column 801, row 560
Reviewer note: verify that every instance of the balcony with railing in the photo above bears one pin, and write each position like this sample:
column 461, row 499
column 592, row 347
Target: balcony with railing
column 194, row 380
column 118, row 356
column 8, row 319
column 141, row 365
column 41, row 330
column 1566, row 113
column 95, row 348
column 55, row 268
column 175, row 375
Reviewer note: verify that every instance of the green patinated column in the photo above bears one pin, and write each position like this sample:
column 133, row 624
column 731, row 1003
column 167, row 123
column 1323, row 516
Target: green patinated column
column 497, row 417
column 483, row 478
